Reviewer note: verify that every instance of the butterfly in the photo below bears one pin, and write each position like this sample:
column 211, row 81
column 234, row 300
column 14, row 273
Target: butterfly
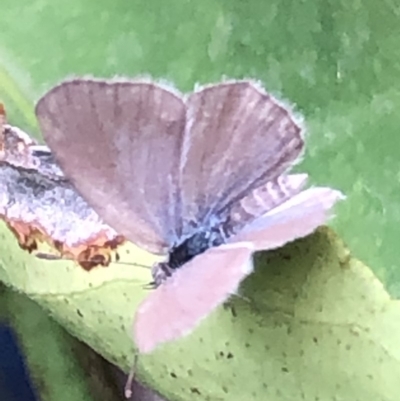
column 201, row 178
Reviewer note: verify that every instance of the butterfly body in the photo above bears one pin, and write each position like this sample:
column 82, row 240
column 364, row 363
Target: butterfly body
column 208, row 235
column 196, row 244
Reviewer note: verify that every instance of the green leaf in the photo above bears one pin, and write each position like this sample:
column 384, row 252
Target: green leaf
column 311, row 322
column 55, row 359
column 47, row 350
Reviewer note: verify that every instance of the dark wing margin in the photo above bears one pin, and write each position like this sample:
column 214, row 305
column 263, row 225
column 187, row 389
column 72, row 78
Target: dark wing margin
column 238, row 137
column 119, row 143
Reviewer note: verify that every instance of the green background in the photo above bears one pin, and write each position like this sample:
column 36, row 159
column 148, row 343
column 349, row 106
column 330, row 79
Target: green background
column 338, row 62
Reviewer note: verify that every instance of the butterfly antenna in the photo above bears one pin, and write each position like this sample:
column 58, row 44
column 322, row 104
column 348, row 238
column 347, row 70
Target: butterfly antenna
column 131, row 377
column 47, row 256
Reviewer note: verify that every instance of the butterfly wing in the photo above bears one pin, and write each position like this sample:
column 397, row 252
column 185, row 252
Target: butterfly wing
column 177, row 306
column 297, row 217
column 193, row 291
column 119, row 143
column 237, row 138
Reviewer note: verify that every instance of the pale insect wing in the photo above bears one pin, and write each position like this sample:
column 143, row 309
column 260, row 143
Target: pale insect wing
column 238, row 137
column 119, row 143
column 178, row 305
column 295, row 218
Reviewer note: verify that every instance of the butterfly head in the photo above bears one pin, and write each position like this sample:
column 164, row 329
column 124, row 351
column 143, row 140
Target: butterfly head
column 160, row 272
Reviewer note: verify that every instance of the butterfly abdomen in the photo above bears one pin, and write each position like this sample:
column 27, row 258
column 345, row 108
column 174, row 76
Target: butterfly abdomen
column 262, row 200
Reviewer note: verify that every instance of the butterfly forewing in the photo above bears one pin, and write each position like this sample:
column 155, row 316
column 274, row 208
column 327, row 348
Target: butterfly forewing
column 237, row 138
column 120, row 144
